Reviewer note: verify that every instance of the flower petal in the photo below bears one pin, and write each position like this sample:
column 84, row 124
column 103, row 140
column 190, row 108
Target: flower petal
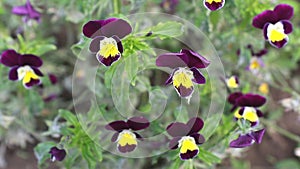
column 91, row 27
column 199, row 139
column 127, row 148
column 173, row 144
column 117, row 125
column 214, row 5
column 108, row 61
column 119, row 28
column 38, row 72
column 242, row 141
column 288, row 26
column 170, row 79
column 193, row 59
column 114, row 138
column 95, row 44
column 198, row 77
column 261, row 19
column 177, row 129
column 171, row 60
column 258, row 135
column 280, row 44
column 184, row 92
column 138, row 136
column 31, row 60
column 233, row 97
column 195, row 124
column 59, row 154
column 189, row 154
column 32, row 82
column 20, row 10
column 284, row 12
column 119, row 43
column 138, row 123
column 10, row 58
column 251, row 100
column 13, row 73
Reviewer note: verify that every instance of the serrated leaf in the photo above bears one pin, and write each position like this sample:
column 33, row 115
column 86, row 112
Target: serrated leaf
column 70, row 117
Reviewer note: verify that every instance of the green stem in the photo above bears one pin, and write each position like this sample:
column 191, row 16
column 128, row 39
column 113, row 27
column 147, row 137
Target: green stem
column 225, row 136
column 191, row 166
column 117, row 6
column 281, row 130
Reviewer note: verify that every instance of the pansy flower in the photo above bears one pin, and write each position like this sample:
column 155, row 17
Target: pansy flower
column 232, row 82
column 275, row 24
column 23, row 67
column 245, row 140
column 185, row 73
column 106, row 35
column 125, row 134
column 57, row 154
column 256, row 62
column 186, row 137
column 248, row 106
column 169, row 5
column 264, row 88
column 214, row 5
column 27, row 11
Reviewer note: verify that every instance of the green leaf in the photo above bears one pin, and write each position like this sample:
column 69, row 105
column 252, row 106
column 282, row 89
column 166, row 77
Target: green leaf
column 165, row 30
column 70, row 117
column 78, row 47
column 109, row 75
column 42, row 49
column 35, row 102
column 41, row 151
column 132, row 67
column 288, row 163
column 207, row 157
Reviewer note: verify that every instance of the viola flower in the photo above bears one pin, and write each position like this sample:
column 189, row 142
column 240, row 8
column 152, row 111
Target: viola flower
column 256, row 62
column 264, row 88
column 248, row 106
column 106, row 35
column 23, row 67
column 169, row 5
column 186, row 137
column 214, row 5
column 275, row 24
column 232, row 82
column 185, row 73
column 125, row 134
column 248, row 139
column 27, row 11
column 57, row 154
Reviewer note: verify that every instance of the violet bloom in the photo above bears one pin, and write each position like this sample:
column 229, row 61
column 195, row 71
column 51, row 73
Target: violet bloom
column 106, row 35
column 248, row 139
column 232, row 82
column 214, row 5
column 169, row 5
column 27, row 11
column 275, row 24
column 57, row 154
column 247, row 105
column 125, row 134
column 256, row 62
column 186, row 137
column 185, row 67
column 23, row 67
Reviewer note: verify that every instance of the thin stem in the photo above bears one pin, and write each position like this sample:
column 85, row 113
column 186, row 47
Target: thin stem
column 281, row 130
column 117, row 6
column 225, row 136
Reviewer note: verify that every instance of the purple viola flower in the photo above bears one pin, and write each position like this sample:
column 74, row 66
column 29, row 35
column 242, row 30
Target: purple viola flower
column 256, row 62
column 213, row 5
column 248, row 139
column 23, row 67
column 248, row 106
column 185, row 67
column 186, row 137
column 275, row 24
column 169, row 5
column 106, row 38
column 57, row 154
column 125, row 134
column 27, row 11
column 232, row 82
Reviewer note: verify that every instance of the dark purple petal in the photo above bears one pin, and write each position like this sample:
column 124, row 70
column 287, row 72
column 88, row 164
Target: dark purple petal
column 279, row 44
column 170, row 79
column 171, row 60
column 261, row 53
column 31, row 60
column 37, row 71
column 57, row 154
column 184, row 92
column 189, row 154
column 114, row 138
column 20, row 10
column 138, row 123
column 284, row 12
column 258, row 135
column 242, row 141
column 119, row 44
column 199, row 139
column 95, row 44
column 233, row 97
column 252, row 100
column 195, row 124
column 138, row 136
column 287, row 26
column 27, row 10
column 177, row 129
column 214, row 5
column 108, row 61
column 92, row 27
column 259, row 113
column 52, row 78
column 10, row 58
column 13, row 73
column 117, row 125
column 127, row 148
column 173, row 144
column 32, row 82
column 50, row 97
column 198, row 77
column 263, row 18
column 193, row 59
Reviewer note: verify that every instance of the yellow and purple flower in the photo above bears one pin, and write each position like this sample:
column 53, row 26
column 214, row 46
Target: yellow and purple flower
column 256, row 62
column 23, row 67
column 275, row 24
column 248, row 139
column 232, row 82
column 106, row 38
column 186, row 137
column 214, row 5
column 27, row 11
column 57, row 154
column 247, row 105
column 185, row 73
column 125, row 134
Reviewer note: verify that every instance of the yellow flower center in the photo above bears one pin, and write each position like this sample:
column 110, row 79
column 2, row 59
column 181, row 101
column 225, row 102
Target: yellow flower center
column 211, row 1
column 264, row 88
column 108, row 48
column 276, row 32
column 183, row 77
column 187, row 143
column 232, row 83
column 126, row 137
column 250, row 114
column 25, row 74
column 254, row 64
